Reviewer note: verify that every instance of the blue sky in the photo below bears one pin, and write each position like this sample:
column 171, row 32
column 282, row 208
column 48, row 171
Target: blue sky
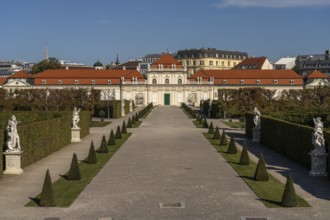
column 88, row 30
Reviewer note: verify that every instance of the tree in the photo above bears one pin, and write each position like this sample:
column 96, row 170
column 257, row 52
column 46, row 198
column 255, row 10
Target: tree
column 51, row 63
column 92, row 159
column 47, row 197
column 211, row 129
column 216, row 133
column 103, row 147
column 289, row 198
column 261, row 173
column 232, row 146
column 74, row 172
column 244, row 159
column 112, row 140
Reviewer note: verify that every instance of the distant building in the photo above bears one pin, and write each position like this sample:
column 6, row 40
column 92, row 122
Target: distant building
column 73, row 65
column 7, row 69
column 147, row 60
column 308, row 63
column 286, row 63
column 98, row 65
column 255, row 63
column 316, row 79
column 209, row 58
column 129, row 65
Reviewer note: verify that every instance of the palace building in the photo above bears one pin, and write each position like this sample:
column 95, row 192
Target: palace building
column 166, row 82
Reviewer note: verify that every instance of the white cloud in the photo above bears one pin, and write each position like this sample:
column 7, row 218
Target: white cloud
column 273, row 3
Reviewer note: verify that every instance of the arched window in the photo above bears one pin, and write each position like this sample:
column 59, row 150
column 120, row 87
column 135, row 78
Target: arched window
column 154, row 81
column 179, row 81
column 167, row 81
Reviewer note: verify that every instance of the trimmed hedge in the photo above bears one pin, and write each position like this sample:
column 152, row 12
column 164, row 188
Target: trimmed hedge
column 42, row 138
column 113, row 106
column 249, row 124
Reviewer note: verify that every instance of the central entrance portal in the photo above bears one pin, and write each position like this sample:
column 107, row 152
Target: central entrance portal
column 167, row 99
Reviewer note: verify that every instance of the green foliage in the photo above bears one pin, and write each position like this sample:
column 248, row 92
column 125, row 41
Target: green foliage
column 261, row 173
column 244, row 159
column 74, row 172
column 51, row 63
column 205, row 125
column 189, row 110
column 112, row 140
column 47, row 198
column 103, row 147
column 129, row 123
column 232, row 149
column 211, row 129
column 223, row 141
column 126, row 107
column 216, row 133
column 118, row 133
column 101, row 113
column 112, row 108
column 136, row 117
column 123, row 128
column 92, row 159
column 289, row 198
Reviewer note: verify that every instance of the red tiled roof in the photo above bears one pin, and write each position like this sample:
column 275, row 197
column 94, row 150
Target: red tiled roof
column 255, row 63
column 2, row 80
column 21, row 75
column 316, row 74
column 167, row 60
column 249, row 76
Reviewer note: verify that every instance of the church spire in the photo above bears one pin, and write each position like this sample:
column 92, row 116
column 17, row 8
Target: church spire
column 46, row 52
column 117, row 61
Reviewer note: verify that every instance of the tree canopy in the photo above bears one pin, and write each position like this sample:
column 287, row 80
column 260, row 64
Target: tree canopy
column 51, row 63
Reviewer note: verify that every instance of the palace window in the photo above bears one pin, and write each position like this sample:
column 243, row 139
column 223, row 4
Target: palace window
column 242, row 81
column 59, row 81
column 291, row 81
column 167, row 81
column 179, row 81
column 275, row 81
column 76, row 82
column 43, row 82
column 224, row 81
column 109, row 81
column 154, row 81
column 222, row 63
column 258, row 81
column 228, row 63
column 211, row 62
column 187, row 62
column 201, row 62
column 93, row 82
column 194, row 63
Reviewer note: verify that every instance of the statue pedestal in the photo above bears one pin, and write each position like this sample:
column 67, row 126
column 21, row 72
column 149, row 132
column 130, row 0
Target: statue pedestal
column 256, row 135
column 13, row 162
column 123, row 112
column 75, row 135
column 319, row 164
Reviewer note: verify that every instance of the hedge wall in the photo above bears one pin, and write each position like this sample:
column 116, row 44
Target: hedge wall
column 41, row 138
column 249, row 124
column 127, row 104
column 114, row 108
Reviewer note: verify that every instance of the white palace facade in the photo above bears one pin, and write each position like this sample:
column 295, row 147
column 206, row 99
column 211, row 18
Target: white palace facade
column 166, row 82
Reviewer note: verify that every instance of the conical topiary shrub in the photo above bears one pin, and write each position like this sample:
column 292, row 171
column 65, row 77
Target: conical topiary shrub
column 47, row 197
column 244, row 159
column 223, row 140
column 123, row 128
column 232, row 149
column 211, row 129
column 216, row 134
column 129, row 123
column 133, row 119
column 92, row 159
column 112, row 140
column 289, row 198
column 103, row 147
column 118, row 133
column 136, row 117
column 261, row 173
column 205, row 125
column 74, row 172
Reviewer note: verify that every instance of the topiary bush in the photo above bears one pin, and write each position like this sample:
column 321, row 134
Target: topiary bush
column 47, row 197
column 205, row 125
column 261, row 173
column 92, row 159
column 223, row 140
column 211, row 129
column 216, row 134
column 129, row 123
column 118, row 133
column 74, row 172
column 112, row 140
column 123, row 128
column 232, row 149
column 289, row 198
column 103, row 147
column 244, row 159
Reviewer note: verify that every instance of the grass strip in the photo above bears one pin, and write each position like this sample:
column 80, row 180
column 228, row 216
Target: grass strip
column 136, row 124
column 100, row 123
column 269, row 192
column 234, row 124
column 197, row 124
column 147, row 113
column 188, row 115
column 66, row 191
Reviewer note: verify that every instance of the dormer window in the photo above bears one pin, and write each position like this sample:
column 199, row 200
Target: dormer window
column 109, row 81
column 43, row 82
column 258, row 81
column 60, row 82
column 224, row 81
column 275, row 81
column 242, row 81
column 76, row 82
column 93, row 82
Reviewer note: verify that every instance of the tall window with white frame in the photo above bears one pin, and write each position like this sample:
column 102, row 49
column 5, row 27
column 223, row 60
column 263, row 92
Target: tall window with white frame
column 154, row 81
column 167, row 81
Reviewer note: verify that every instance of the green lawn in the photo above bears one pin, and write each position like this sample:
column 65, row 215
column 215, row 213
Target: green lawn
column 66, row 191
column 270, row 192
column 100, row 123
column 136, row 124
column 197, row 124
column 234, row 124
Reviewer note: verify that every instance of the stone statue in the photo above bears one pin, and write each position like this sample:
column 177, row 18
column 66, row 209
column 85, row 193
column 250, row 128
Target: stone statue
column 257, row 115
column 75, row 117
column 318, row 138
column 13, row 142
